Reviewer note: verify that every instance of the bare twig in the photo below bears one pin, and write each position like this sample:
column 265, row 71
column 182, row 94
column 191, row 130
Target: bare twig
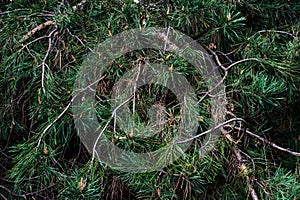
column 280, row 32
column 38, row 15
column 29, row 52
column 38, row 191
column 241, row 61
column 269, row 143
column 233, row 64
column 167, row 39
column 210, row 130
column 91, row 50
column 10, row 11
column 169, row 45
column 216, row 57
column 135, row 87
column 3, row 197
column 231, row 52
column 212, row 89
column 113, row 115
column 35, row 40
column 224, row 55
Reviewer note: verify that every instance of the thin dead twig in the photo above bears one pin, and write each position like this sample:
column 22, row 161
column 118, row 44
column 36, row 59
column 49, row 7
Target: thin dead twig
column 233, row 64
column 35, row 40
column 91, row 50
column 269, row 143
column 44, row 61
column 113, row 115
column 3, row 197
column 280, row 32
column 210, row 130
column 216, row 57
column 241, row 61
column 55, row 120
column 43, row 25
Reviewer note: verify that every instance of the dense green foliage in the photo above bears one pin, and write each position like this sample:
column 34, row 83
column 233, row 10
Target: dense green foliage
column 256, row 45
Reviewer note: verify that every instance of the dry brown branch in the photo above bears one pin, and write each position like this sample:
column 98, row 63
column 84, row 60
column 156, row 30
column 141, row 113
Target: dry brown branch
column 38, row 28
column 268, row 142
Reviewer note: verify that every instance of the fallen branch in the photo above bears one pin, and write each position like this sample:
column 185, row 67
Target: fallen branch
column 268, row 142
